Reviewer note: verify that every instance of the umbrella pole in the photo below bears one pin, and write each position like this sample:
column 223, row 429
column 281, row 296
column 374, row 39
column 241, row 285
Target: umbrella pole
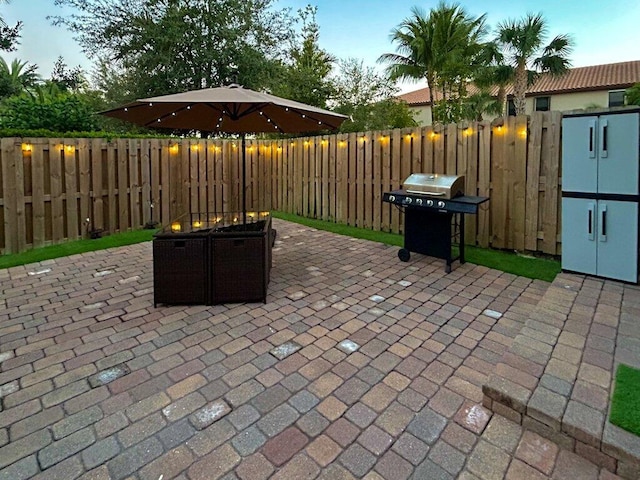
column 244, row 180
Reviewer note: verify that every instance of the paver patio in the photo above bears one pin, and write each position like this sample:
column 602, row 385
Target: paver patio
column 358, row 365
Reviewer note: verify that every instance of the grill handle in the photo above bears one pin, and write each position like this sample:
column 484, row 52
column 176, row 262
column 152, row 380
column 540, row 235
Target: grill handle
column 431, row 194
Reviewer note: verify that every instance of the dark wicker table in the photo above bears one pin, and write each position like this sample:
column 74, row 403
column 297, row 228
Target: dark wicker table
column 208, row 259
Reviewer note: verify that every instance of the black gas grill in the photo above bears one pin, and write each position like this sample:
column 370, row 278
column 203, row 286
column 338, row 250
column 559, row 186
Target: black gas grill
column 434, row 206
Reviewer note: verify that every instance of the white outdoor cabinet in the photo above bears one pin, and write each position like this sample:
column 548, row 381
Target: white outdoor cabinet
column 600, row 193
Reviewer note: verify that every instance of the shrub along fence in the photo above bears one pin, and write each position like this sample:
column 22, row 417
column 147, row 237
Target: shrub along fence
column 54, row 190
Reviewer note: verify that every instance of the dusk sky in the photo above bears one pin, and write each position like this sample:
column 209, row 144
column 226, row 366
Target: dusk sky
column 604, row 32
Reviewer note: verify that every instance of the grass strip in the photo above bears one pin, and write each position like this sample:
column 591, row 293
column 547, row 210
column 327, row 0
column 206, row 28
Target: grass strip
column 524, row 266
column 625, row 404
column 78, row 246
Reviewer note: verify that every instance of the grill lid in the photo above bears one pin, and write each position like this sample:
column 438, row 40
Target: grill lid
column 435, row 184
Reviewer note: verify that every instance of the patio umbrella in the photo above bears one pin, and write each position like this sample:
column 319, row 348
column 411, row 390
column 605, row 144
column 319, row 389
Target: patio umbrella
column 229, row 109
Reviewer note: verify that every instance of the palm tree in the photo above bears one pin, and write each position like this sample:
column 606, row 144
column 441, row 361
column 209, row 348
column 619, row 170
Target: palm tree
column 522, row 41
column 414, row 58
column 494, row 72
column 17, row 77
column 439, row 47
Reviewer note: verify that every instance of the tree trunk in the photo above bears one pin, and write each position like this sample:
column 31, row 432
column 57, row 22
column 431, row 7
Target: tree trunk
column 431, row 83
column 520, row 88
column 502, row 94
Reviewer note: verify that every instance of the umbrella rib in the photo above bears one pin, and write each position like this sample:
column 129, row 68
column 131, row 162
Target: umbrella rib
column 170, row 114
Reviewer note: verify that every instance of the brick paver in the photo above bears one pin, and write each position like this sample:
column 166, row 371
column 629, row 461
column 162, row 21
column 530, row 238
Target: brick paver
column 380, row 376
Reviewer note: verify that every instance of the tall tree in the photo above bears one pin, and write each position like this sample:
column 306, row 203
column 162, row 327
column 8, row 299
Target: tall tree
column 305, row 77
column 68, row 79
column 8, row 35
column 368, row 99
column 440, row 47
column 177, row 45
column 523, row 41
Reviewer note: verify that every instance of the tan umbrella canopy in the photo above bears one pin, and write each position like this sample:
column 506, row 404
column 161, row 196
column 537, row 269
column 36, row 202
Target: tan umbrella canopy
column 230, row 109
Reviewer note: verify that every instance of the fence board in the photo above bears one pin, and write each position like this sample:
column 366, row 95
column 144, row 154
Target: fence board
column 353, row 173
column 165, row 182
column 377, row 182
column 332, row 145
column 145, row 181
column 509, row 133
column 367, row 213
column 37, row 195
column 552, row 161
column 471, row 180
column 416, row 150
column 134, row 184
column 254, row 166
column 396, row 180
column 484, row 183
column 452, row 149
column 84, row 167
column 324, row 147
column 154, row 181
column 439, row 165
column 385, row 159
column 462, row 160
column 112, row 187
column 498, row 193
column 519, row 181
column 533, row 181
column 97, row 191
column 360, row 179
column 342, row 174
column 71, row 191
column 427, row 150
column 123, row 186
column 10, row 194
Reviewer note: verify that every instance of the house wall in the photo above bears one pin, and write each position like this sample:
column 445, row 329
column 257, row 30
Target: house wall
column 422, row 115
column 559, row 102
column 574, row 101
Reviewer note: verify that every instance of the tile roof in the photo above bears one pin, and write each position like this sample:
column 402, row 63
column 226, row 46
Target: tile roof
column 596, row 77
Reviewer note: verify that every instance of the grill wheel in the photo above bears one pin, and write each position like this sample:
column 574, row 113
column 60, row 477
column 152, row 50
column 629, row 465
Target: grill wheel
column 404, row 254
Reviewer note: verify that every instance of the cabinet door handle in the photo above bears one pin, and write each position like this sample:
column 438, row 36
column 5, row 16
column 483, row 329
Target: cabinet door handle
column 590, row 221
column 592, row 139
column 603, row 223
column 603, row 138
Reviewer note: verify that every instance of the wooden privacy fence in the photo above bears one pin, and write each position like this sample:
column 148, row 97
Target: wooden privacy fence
column 53, row 190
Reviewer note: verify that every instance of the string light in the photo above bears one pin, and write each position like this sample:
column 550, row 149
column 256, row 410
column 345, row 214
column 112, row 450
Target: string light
column 26, row 147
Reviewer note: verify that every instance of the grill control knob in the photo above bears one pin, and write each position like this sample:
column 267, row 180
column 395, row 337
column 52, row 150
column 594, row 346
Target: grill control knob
column 408, row 200
column 419, row 201
column 441, row 204
column 392, row 198
column 429, row 203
